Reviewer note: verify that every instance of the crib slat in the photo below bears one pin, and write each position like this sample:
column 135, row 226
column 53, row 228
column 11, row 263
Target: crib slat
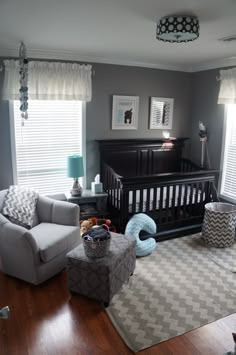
column 185, row 201
column 148, row 200
column 106, row 175
column 113, row 191
column 179, row 201
column 207, row 191
column 167, row 203
column 210, row 192
column 199, row 186
column 124, row 208
column 202, row 186
column 109, row 187
column 134, row 201
column 116, row 193
column 190, row 203
column 168, row 197
column 160, row 205
column 141, row 201
column 196, row 199
column 172, row 217
column 155, row 200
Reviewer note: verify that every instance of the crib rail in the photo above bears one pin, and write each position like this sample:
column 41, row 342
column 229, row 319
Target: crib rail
column 112, row 185
column 172, row 199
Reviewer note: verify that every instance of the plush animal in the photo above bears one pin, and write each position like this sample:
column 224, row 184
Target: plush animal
column 94, row 222
column 101, row 221
column 137, row 223
column 85, row 226
column 107, row 222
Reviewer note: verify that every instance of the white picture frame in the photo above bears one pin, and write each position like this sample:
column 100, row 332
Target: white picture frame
column 125, row 112
column 161, row 113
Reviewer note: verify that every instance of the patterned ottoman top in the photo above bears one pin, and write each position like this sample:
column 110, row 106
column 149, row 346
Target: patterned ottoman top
column 121, row 245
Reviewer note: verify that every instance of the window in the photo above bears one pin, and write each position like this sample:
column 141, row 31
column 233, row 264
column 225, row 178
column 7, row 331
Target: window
column 228, row 178
column 52, row 132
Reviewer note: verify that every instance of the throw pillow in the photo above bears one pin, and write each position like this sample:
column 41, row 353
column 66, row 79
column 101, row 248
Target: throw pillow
column 19, row 205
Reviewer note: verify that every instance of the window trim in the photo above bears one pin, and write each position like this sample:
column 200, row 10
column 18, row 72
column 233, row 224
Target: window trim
column 222, row 160
column 13, row 143
column 84, row 184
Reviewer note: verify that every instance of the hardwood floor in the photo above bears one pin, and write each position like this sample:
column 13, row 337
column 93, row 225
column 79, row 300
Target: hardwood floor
column 46, row 319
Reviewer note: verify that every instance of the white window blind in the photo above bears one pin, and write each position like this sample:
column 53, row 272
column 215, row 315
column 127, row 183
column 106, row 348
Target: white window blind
column 228, row 182
column 52, row 132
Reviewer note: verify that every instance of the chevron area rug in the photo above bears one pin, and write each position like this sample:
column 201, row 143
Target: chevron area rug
column 182, row 285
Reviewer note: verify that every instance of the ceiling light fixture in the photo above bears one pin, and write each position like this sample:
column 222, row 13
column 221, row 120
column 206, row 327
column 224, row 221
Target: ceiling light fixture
column 181, row 28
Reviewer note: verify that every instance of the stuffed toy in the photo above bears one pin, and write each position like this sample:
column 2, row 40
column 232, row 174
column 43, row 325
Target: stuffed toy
column 106, row 222
column 85, row 226
column 94, row 222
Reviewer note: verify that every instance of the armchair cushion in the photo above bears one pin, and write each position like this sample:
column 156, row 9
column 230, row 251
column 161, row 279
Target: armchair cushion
column 54, row 239
column 19, row 205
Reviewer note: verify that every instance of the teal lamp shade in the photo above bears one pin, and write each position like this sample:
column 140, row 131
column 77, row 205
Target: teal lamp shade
column 75, row 167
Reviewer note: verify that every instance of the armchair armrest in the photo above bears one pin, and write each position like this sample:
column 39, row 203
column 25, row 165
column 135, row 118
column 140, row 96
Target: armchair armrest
column 65, row 213
column 16, row 236
column 59, row 212
column 18, row 252
column 3, row 220
column 2, row 197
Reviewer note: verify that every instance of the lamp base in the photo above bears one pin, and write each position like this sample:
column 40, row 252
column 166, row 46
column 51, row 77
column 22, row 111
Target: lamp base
column 76, row 188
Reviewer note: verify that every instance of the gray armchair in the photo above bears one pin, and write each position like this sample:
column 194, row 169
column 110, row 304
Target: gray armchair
column 37, row 254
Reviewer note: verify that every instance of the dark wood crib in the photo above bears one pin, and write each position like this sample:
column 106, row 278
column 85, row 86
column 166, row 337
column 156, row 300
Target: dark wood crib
column 149, row 176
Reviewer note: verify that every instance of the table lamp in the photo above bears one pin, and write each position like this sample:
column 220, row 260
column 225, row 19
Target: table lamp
column 75, row 169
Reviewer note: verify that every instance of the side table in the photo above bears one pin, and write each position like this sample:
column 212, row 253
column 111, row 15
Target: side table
column 91, row 204
column 101, row 278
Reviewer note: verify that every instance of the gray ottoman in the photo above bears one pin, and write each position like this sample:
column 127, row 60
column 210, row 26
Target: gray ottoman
column 101, row 278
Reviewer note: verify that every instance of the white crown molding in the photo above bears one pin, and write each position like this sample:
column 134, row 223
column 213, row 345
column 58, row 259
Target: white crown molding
column 214, row 64
column 45, row 54
column 54, row 55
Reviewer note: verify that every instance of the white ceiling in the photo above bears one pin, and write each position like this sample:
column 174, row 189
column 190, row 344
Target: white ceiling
column 117, row 31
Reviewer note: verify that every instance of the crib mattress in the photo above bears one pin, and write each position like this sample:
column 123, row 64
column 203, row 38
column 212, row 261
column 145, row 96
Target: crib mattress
column 180, row 198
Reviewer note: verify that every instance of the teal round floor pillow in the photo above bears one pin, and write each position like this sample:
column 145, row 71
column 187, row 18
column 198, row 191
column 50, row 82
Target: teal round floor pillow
column 137, row 223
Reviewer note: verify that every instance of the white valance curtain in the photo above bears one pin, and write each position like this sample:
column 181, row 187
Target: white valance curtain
column 227, row 93
column 49, row 81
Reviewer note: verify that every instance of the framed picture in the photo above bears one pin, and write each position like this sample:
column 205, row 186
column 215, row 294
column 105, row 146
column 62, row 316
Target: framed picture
column 161, row 113
column 125, row 112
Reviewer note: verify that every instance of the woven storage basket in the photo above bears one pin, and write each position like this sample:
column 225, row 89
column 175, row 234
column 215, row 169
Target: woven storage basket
column 96, row 249
column 218, row 228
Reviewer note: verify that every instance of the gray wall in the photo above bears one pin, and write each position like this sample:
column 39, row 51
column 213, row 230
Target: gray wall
column 205, row 91
column 143, row 82
column 116, row 80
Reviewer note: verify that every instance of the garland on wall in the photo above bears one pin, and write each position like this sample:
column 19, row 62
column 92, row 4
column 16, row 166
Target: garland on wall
column 23, row 82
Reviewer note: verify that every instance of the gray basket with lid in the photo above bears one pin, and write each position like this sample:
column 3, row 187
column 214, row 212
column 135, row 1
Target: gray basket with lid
column 219, row 223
